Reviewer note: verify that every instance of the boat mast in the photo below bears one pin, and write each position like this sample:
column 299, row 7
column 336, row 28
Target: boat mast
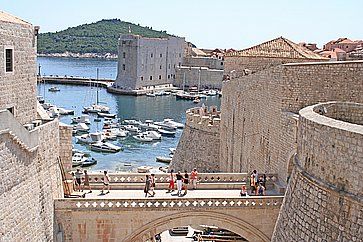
column 183, row 81
column 97, row 101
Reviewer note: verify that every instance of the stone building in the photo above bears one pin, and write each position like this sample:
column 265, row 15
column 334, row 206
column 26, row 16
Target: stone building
column 29, row 146
column 271, row 53
column 148, row 63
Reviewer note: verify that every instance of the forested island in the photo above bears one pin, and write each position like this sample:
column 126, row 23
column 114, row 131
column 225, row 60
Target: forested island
column 99, row 39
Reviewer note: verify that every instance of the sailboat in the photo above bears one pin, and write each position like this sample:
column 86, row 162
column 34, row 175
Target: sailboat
column 96, row 108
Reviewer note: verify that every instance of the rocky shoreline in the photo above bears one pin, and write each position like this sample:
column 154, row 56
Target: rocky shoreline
column 79, row 55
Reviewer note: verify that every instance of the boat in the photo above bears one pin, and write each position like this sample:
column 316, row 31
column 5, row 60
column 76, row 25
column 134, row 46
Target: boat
column 54, row 89
column 171, row 122
column 144, row 169
column 161, row 93
column 40, row 99
column 150, row 94
column 142, row 138
column 172, row 150
column 185, row 96
column 89, row 162
column 149, row 126
column 165, row 126
column 202, row 96
column 163, row 159
column 152, row 134
column 164, row 132
column 166, row 93
column 179, row 231
column 132, row 128
column 78, row 159
column 211, row 93
column 97, row 120
column 81, row 119
column 90, row 138
column 105, row 147
column 107, row 115
column 164, row 169
column 81, row 127
column 108, row 135
column 53, row 112
column 197, row 100
column 63, row 111
column 132, row 122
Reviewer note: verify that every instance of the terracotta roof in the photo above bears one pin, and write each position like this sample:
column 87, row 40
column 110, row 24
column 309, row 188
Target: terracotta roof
column 6, row 17
column 279, row 48
column 346, row 41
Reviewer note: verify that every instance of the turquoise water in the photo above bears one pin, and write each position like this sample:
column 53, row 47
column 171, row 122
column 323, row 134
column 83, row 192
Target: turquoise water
column 126, row 107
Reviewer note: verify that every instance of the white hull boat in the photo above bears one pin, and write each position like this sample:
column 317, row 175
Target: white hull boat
column 106, row 115
column 78, row 159
column 150, row 95
column 164, row 132
column 105, row 147
column 144, row 169
column 96, row 108
column 89, row 138
column 132, row 122
column 132, row 128
column 172, row 123
column 81, row 127
column 163, row 159
column 63, row 111
column 81, row 119
column 152, row 134
column 142, row 138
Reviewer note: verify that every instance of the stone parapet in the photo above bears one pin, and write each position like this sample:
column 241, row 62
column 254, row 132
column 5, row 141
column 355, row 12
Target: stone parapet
column 204, row 119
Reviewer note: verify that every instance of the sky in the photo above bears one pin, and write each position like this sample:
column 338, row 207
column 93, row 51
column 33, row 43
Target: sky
column 211, row 24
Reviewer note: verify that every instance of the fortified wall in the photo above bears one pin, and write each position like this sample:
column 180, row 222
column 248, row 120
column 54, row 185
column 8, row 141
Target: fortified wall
column 201, row 131
column 259, row 111
column 324, row 198
column 203, row 77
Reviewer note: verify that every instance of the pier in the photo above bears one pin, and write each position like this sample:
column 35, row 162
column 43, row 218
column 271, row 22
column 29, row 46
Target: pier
column 72, row 80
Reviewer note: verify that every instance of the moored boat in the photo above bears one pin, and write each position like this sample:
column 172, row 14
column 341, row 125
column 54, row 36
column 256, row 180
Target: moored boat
column 78, row 159
column 81, row 119
column 81, row 127
column 144, row 169
column 163, row 159
column 54, row 89
column 89, row 162
column 90, row 138
column 108, row 115
column 152, row 134
column 164, row 132
column 142, row 138
column 105, row 147
column 63, row 111
column 132, row 128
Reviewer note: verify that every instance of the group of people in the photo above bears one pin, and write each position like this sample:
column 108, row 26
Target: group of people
column 81, row 186
column 257, row 184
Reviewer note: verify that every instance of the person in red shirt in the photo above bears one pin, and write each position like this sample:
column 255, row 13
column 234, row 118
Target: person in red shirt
column 171, row 187
column 194, row 178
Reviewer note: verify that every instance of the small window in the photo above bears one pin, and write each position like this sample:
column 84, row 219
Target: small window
column 142, row 78
column 179, row 64
column 169, row 66
column 124, row 55
column 168, row 76
column 174, row 76
column 179, row 54
column 161, row 67
column 9, row 60
column 174, row 66
column 152, row 55
column 161, row 55
column 123, row 67
column 159, row 77
column 151, row 78
column 221, row 63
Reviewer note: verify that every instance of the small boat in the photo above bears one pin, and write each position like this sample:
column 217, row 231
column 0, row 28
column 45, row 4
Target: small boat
column 78, row 159
column 105, row 147
column 127, row 164
column 96, row 108
column 166, row 93
column 163, row 159
column 164, row 169
column 172, row 150
column 142, row 138
column 132, row 122
column 202, row 96
column 118, row 132
column 109, row 136
column 164, row 132
column 149, row 126
column 108, row 115
column 132, row 128
column 89, row 162
column 150, row 95
column 171, row 122
column 161, row 93
column 197, row 100
column 53, row 112
column 90, row 138
column 81, row 127
column 63, row 111
column 81, row 119
column 54, row 89
column 144, row 169
column 152, row 134
column 179, row 231
column 212, row 93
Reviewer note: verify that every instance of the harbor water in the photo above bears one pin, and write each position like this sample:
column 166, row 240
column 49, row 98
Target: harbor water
column 135, row 153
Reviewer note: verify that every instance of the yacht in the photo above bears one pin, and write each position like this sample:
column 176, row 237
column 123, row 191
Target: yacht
column 63, row 111
column 105, row 147
column 149, row 126
column 132, row 122
column 54, row 89
column 81, row 119
column 164, row 132
column 150, row 94
column 142, row 138
column 96, row 108
column 107, row 115
column 90, row 138
column 152, row 134
column 78, row 159
column 171, row 122
column 118, row 132
column 132, row 128
column 212, row 93
column 89, row 162
column 81, row 127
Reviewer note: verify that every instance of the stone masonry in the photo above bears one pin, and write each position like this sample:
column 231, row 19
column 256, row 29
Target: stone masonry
column 199, row 144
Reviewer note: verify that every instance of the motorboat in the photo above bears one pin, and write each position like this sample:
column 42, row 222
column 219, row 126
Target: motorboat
column 185, row 96
column 150, row 94
column 144, row 169
column 163, row 159
column 54, row 89
column 107, row 115
column 165, row 126
column 149, row 126
column 81, row 119
column 63, row 111
column 53, row 112
column 90, row 138
column 118, row 132
column 105, row 147
column 211, row 93
column 132, row 122
column 109, row 124
column 108, row 135
column 197, row 100
column 81, row 127
column 142, row 138
column 161, row 93
column 78, row 159
column 96, row 108
column 152, row 134
column 132, row 128
column 164, row 132
column 166, row 93
column 202, row 96
column 89, row 162
column 171, row 122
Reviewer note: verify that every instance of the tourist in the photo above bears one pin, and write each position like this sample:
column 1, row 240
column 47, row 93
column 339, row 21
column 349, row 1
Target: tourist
column 171, row 187
column 243, row 192
column 147, row 186
column 179, row 182
column 253, row 182
column 186, row 182
column 194, row 178
column 261, row 189
column 106, row 182
column 86, row 182
column 152, row 188
column 78, row 176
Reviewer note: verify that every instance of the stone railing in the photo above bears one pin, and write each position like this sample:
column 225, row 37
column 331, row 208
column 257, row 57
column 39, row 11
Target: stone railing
column 8, row 123
column 82, row 204
column 204, row 119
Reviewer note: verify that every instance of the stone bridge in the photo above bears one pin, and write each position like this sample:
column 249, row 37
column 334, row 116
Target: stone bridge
column 126, row 215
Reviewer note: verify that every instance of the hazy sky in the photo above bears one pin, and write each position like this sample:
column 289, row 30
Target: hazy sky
column 207, row 23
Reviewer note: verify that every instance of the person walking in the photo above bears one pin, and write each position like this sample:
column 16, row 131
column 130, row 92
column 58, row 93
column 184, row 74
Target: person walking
column 152, row 183
column 186, row 182
column 78, row 176
column 171, row 187
column 106, row 182
column 147, row 185
column 179, row 182
column 261, row 189
column 253, row 182
column 194, row 178
column 86, row 182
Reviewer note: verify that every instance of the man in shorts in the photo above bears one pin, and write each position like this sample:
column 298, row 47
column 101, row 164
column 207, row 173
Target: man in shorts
column 106, row 182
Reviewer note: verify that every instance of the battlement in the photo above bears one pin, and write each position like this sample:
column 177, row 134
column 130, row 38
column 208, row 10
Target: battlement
column 204, row 119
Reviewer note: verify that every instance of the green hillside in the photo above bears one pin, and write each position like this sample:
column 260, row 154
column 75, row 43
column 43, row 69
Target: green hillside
column 100, row 37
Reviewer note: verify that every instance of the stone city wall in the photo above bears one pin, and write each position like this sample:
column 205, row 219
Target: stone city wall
column 65, row 145
column 199, row 144
column 31, row 182
column 22, row 81
column 324, row 197
column 209, row 78
column 258, row 120
column 208, row 62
